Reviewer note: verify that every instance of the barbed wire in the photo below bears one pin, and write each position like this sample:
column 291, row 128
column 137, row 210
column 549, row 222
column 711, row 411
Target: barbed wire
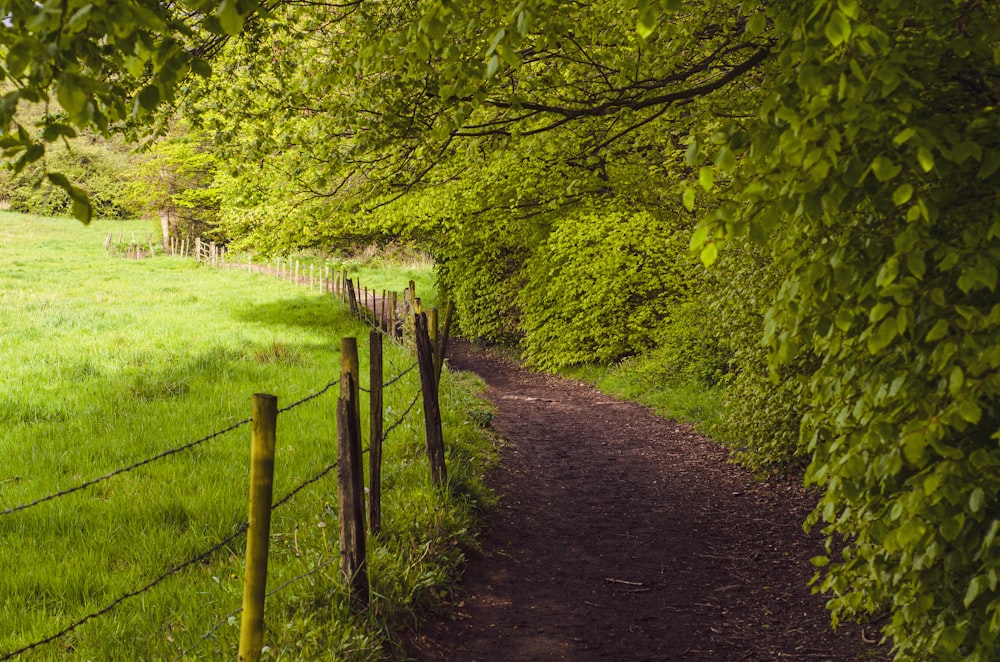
column 309, row 397
column 399, row 421
column 401, row 375
column 122, row 470
column 240, row 530
column 158, row 456
column 285, row 499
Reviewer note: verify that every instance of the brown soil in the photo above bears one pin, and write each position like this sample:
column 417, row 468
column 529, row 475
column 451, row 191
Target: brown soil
column 624, row 536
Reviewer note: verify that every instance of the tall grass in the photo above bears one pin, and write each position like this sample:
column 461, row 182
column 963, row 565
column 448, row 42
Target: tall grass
column 108, row 361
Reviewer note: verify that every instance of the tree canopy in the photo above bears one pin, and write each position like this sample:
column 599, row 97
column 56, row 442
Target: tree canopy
column 835, row 162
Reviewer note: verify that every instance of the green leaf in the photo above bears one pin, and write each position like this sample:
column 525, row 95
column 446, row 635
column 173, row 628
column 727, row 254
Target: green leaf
column 879, row 311
column 885, row 169
column 756, row 24
column 710, row 253
column 492, row 65
column 229, row 17
column 913, row 447
column 706, row 177
column 989, row 165
column 903, row 136
column 882, row 336
column 838, row 28
column 926, row 158
column 71, row 94
column 725, row 160
column 82, row 209
column 647, row 22
column 688, row 198
column 820, row 561
column 969, row 411
column 956, row 379
column 902, row 194
column 938, row 331
column 977, row 499
column 148, row 97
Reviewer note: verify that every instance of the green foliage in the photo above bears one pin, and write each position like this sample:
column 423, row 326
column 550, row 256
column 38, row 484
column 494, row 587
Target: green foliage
column 856, row 141
column 177, row 178
column 600, row 287
column 873, row 163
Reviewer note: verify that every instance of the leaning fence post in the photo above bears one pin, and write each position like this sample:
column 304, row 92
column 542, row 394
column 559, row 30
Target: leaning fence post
column 265, row 415
column 432, row 412
column 443, row 339
column 375, row 415
column 350, row 479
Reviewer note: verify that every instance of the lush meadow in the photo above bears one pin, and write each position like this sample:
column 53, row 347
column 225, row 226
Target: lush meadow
column 108, row 361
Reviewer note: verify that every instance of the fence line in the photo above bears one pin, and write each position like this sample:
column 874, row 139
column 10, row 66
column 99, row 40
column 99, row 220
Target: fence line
column 407, row 324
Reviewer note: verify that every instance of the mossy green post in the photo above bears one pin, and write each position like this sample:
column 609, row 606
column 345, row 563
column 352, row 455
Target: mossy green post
column 375, row 415
column 265, row 415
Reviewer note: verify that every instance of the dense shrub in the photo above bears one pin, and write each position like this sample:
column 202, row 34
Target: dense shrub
column 601, row 286
column 98, row 166
column 761, row 409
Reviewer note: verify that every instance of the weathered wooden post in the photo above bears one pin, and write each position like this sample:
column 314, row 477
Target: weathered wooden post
column 350, row 480
column 265, row 415
column 449, row 311
column 352, row 299
column 375, row 415
column 432, row 334
column 432, row 412
column 381, row 317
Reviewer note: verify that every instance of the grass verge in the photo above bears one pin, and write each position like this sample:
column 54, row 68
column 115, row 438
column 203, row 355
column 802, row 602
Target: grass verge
column 110, row 361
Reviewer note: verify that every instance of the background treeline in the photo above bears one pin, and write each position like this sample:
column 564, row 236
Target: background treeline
column 834, row 164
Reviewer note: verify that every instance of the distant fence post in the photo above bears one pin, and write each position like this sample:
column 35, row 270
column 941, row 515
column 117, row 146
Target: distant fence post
column 265, row 415
column 350, row 478
column 352, row 298
column 375, row 415
column 432, row 411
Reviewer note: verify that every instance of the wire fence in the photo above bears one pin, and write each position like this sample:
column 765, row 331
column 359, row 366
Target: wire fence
column 366, row 306
column 203, row 556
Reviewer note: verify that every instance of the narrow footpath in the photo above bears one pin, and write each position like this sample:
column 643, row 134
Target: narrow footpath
column 623, row 536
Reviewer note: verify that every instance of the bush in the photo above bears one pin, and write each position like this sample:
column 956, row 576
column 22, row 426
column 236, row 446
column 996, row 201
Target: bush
column 601, row 287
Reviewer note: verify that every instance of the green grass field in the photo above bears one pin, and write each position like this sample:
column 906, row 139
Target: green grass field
column 108, row 361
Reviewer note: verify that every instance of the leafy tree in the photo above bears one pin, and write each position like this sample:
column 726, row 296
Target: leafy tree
column 872, row 161
column 854, row 142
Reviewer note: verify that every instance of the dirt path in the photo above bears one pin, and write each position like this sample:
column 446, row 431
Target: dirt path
column 623, row 536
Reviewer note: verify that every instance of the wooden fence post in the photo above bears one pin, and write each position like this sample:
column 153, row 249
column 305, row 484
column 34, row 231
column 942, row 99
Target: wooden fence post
column 381, row 318
column 449, row 311
column 432, row 333
column 350, row 480
column 393, row 312
column 432, row 411
column 352, row 298
column 265, row 415
column 375, row 414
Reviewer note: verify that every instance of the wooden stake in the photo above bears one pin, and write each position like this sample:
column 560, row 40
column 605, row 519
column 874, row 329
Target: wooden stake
column 265, row 415
column 432, row 411
column 449, row 311
column 350, row 482
column 375, row 415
